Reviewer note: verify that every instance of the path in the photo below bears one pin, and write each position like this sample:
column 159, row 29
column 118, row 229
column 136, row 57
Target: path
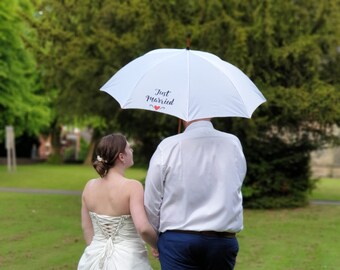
column 40, row 191
column 325, row 202
column 76, row 192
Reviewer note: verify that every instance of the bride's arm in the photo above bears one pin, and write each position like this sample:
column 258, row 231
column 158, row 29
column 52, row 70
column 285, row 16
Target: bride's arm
column 143, row 226
column 86, row 223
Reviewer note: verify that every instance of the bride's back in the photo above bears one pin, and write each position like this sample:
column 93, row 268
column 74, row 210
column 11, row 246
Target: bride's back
column 108, row 196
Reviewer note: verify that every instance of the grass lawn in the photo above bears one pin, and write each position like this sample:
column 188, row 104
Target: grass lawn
column 45, row 176
column 299, row 239
column 327, row 189
column 43, row 231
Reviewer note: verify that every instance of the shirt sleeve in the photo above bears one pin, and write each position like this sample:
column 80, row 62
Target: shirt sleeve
column 154, row 189
column 241, row 161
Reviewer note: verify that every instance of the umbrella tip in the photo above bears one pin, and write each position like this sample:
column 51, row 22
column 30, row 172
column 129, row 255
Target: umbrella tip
column 188, row 41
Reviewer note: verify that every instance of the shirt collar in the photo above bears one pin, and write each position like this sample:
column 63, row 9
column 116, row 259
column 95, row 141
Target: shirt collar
column 199, row 124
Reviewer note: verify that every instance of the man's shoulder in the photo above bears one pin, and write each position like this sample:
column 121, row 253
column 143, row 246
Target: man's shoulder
column 226, row 135
column 170, row 141
column 229, row 137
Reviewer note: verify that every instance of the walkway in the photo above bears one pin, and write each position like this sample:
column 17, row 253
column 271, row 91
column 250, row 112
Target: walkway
column 40, row 191
column 78, row 193
column 327, row 202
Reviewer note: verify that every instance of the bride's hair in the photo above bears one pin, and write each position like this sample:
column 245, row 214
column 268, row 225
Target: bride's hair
column 107, row 151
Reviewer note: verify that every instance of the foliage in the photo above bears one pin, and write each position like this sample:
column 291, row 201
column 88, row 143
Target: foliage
column 70, row 152
column 300, row 113
column 290, row 49
column 21, row 103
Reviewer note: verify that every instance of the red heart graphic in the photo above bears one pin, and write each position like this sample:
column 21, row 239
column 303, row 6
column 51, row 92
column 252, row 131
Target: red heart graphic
column 156, row 107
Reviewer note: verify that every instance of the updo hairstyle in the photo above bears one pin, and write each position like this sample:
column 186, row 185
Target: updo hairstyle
column 107, row 151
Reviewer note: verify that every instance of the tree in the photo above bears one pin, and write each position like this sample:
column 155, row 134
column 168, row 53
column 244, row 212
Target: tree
column 21, row 103
column 82, row 46
column 290, row 49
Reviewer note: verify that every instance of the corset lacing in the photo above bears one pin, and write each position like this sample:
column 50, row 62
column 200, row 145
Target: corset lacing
column 109, row 229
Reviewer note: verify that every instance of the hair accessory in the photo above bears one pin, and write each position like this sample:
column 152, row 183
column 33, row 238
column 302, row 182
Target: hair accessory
column 100, row 159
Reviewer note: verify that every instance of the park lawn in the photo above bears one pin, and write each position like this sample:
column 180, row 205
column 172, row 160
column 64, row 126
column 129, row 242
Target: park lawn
column 40, row 231
column 43, row 232
column 74, row 177
column 290, row 239
column 327, row 189
column 62, row 177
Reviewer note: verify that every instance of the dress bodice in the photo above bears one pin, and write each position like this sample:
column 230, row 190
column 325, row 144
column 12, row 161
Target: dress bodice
column 114, row 227
column 115, row 245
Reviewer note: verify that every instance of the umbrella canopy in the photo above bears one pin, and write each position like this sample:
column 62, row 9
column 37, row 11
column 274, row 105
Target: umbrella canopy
column 184, row 83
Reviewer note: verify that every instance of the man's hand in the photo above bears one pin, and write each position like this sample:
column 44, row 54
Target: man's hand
column 155, row 253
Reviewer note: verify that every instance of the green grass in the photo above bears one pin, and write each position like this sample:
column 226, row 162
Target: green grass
column 39, row 231
column 43, row 231
column 299, row 239
column 45, row 176
column 327, row 189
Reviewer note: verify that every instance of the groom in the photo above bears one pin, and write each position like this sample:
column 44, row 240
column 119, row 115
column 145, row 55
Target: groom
column 193, row 197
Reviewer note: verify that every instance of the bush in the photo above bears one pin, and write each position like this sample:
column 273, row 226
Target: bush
column 278, row 174
column 70, row 152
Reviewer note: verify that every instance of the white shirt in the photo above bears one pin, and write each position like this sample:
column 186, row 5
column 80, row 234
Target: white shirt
column 194, row 181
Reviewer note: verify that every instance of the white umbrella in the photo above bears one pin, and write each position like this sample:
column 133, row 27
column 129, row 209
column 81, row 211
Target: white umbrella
column 184, row 83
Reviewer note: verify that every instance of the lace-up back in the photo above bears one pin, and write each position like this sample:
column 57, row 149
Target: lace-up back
column 115, row 245
column 109, row 226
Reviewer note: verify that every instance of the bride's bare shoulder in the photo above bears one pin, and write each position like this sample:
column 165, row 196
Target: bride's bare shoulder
column 134, row 184
column 90, row 184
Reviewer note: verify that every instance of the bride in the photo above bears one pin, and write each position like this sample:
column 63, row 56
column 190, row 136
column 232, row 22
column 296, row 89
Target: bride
column 113, row 215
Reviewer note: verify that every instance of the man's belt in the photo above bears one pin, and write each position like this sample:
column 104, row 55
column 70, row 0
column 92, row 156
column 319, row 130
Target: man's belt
column 208, row 233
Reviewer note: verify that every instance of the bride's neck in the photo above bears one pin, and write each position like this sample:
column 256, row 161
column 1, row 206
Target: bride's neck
column 116, row 170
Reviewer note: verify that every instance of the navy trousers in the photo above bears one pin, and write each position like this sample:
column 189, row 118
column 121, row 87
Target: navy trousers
column 185, row 251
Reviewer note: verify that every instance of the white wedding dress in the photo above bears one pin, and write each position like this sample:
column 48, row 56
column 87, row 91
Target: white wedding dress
column 116, row 245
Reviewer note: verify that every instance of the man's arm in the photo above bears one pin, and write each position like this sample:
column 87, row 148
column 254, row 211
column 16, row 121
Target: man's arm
column 154, row 187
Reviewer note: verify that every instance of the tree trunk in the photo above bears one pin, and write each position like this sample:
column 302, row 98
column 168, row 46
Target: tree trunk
column 89, row 156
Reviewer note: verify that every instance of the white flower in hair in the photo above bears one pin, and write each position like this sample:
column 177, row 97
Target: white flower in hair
column 100, row 159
